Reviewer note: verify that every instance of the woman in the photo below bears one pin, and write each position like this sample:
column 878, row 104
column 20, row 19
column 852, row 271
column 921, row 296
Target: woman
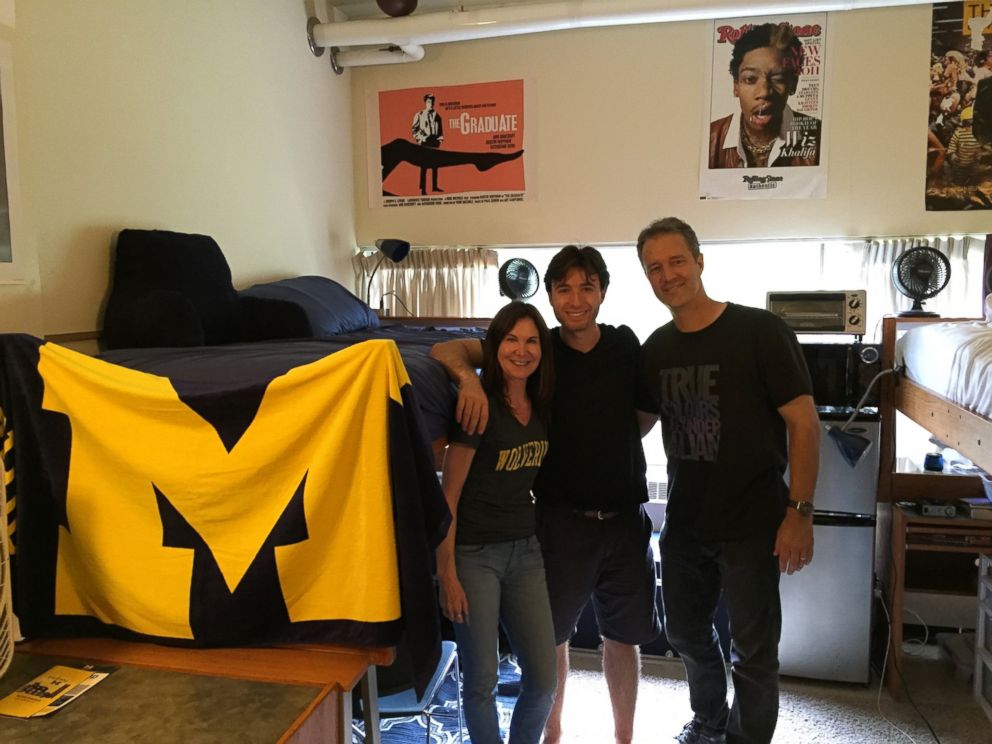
column 490, row 566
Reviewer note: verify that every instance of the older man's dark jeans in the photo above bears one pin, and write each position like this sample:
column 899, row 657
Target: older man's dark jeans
column 693, row 573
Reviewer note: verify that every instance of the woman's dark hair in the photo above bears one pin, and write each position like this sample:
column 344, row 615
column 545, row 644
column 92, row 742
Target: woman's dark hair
column 540, row 385
column 570, row 257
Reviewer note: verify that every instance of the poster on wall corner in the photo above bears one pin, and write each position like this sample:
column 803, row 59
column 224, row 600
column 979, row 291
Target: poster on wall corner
column 447, row 145
column 11, row 265
column 959, row 123
column 763, row 132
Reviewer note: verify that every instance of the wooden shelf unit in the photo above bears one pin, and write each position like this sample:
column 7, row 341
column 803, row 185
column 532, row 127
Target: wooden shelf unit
column 915, row 534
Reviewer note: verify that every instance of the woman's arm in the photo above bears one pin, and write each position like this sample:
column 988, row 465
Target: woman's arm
column 454, row 604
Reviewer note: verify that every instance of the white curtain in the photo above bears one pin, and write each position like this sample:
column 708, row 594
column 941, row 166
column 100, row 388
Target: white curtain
column 434, row 281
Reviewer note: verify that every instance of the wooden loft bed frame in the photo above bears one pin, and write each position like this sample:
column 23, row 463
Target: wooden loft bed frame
column 902, row 531
column 966, row 431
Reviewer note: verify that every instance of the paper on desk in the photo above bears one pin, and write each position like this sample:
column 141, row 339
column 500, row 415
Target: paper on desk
column 52, row 690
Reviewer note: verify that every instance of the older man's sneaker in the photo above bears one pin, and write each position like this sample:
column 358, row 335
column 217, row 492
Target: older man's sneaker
column 694, row 733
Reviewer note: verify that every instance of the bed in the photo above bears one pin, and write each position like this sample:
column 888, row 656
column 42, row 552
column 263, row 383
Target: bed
column 246, row 494
column 953, row 359
column 946, row 389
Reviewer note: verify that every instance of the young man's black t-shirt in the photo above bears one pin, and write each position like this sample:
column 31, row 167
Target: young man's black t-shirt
column 717, row 391
column 595, row 460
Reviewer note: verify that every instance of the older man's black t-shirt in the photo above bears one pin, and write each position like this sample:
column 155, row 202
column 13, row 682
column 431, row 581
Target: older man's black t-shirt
column 496, row 504
column 718, row 391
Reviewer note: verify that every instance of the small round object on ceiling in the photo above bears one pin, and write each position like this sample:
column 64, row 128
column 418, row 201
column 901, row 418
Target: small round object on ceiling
column 397, row 8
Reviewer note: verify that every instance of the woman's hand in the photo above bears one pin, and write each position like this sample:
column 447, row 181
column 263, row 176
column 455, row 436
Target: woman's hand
column 454, row 604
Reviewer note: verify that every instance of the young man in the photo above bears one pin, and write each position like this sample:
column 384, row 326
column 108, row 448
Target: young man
column 729, row 383
column 594, row 533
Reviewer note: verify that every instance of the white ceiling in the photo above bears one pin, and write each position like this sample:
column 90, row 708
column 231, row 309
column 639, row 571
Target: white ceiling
column 357, row 10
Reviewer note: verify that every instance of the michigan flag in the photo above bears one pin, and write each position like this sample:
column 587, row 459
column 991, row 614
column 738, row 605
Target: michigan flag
column 220, row 496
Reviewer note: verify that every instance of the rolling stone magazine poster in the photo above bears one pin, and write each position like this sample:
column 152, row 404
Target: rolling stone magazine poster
column 763, row 132
column 447, row 144
column 959, row 131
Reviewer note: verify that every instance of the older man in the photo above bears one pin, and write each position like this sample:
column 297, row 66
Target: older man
column 729, row 383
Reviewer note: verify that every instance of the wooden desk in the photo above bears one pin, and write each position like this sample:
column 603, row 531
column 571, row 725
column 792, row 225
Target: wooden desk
column 948, row 537
column 332, row 671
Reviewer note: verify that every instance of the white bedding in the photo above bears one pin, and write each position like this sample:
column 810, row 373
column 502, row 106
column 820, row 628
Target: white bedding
column 952, row 359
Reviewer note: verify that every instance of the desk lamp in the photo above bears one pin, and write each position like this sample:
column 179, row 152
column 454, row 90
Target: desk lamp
column 393, row 249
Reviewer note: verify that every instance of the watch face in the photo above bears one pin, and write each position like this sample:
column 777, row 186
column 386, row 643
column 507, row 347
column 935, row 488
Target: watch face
column 803, row 507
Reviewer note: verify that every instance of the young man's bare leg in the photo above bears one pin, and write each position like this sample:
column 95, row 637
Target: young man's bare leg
column 552, row 729
column 622, row 669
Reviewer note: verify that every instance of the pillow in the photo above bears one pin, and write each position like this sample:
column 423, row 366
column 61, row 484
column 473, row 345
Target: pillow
column 153, row 270
column 330, row 308
column 162, row 318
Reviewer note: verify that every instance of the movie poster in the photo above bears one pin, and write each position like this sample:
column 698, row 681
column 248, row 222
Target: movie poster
column 448, row 144
column 763, row 132
column 959, row 156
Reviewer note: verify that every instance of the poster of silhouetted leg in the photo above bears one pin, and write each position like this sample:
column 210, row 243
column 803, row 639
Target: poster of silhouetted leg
column 763, row 137
column 448, row 144
column 959, row 127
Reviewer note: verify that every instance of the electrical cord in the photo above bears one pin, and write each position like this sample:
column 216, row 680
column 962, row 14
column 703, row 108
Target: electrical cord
column 881, row 677
column 895, row 370
column 895, row 666
column 878, row 327
column 398, row 299
column 926, row 631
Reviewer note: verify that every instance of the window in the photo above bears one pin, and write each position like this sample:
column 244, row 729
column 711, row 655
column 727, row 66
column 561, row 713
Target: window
column 744, row 272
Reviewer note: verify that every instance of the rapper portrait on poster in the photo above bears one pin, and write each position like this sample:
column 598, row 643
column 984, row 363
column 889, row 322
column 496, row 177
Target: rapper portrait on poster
column 763, row 132
column 959, row 125
column 447, row 144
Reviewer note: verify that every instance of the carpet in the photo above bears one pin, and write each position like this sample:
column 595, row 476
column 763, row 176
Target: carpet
column 811, row 712
column 444, row 713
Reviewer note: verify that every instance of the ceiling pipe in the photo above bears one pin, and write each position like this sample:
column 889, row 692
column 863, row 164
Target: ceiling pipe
column 513, row 20
column 341, row 58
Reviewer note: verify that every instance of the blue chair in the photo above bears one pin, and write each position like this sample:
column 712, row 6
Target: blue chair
column 400, row 700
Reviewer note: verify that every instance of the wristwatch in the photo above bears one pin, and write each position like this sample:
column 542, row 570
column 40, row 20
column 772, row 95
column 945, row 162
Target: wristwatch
column 803, row 507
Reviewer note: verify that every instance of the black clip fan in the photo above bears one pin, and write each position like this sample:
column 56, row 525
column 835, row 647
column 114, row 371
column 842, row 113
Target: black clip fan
column 518, row 279
column 920, row 273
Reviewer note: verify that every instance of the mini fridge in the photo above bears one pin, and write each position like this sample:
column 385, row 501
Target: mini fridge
column 827, row 607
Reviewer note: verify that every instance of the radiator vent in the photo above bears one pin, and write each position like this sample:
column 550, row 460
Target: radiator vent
column 657, row 490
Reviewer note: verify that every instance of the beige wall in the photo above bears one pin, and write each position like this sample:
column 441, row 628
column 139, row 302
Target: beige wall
column 190, row 115
column 619, row 113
